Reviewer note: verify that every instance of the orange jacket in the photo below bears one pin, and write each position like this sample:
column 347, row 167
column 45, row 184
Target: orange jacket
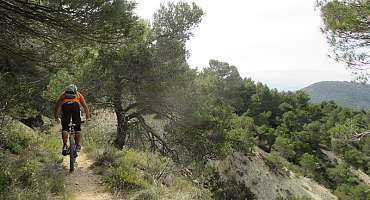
column 79, row 99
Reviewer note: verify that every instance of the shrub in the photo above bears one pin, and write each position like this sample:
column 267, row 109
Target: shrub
column 144, row 175
column 293, row 198
column 241, row 136
column 181, row 188
column 6, row 180
column 29, row 167
column 354, row 158
column 285, row 147
column 105, row 157
column 146, row 195
column 357, row 192
column 341, row 174
column 308, row 162
column 125, row 178
column 276, row 163
column 15, row 139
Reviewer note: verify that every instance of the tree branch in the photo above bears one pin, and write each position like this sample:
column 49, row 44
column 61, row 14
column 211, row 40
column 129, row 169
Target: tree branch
column 129, row 107
column 359, row 136
column 165, row 148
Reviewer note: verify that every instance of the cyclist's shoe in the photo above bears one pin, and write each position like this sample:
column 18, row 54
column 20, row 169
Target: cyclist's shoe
column 65, row 150
column 78, row 148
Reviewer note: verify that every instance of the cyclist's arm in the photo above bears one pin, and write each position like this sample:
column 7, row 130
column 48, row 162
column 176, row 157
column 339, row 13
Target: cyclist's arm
column 84, row 106
column 57, row 107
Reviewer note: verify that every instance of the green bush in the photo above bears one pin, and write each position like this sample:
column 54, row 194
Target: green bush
column 105, row 157
column 144, row 175
column 181, row 188
column 285, row 147
column 308, row 163
column 294, row 198
column 350, row 192
column 27, row 179
column 241, row 136
column 6, row 179
column 354, row 158
column 340, row 174
column 122, row 172
column 15, row 139
column 30, row 166
column 276, row 163
column 146, row 195
column 125, row 178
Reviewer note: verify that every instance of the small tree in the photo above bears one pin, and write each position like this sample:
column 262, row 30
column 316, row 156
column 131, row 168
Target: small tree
column 308, row 163
column 138, row 79
column 242, row 135
column 354, row 158
column 285, row 147
column 340, row 174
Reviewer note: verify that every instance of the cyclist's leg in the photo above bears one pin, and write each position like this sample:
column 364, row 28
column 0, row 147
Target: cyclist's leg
column 76, row 119
column 78, row 139
column 65, row 137
column 66, row 117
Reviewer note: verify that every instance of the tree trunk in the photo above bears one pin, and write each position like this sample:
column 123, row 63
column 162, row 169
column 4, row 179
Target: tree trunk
column 121, row 136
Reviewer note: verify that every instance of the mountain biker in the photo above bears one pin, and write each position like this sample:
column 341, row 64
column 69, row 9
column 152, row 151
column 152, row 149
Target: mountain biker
column 69, row 101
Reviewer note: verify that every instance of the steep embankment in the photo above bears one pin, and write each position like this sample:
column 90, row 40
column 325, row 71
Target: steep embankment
column 254, row 173
column 249, row 172
column 344, row 93
column 357, row 172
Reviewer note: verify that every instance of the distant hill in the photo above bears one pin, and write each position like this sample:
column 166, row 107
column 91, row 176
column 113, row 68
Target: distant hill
column 344, row 93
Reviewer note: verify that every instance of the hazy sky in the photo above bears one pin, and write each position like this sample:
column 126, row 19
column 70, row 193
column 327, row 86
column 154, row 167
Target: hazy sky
column 278, row 43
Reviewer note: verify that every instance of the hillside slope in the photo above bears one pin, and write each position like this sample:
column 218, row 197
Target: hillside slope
column 246, row 175
column 264, row 183
column 344, row 93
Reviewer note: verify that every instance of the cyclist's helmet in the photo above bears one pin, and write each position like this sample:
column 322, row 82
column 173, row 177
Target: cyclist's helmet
column 70, row 91
column 72, row 87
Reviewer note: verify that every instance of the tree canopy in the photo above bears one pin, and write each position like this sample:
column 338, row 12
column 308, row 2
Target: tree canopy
column 39, row 37
column 347, row 26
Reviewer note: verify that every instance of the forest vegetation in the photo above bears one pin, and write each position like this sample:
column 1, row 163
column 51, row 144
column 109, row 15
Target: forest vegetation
column 170, row 120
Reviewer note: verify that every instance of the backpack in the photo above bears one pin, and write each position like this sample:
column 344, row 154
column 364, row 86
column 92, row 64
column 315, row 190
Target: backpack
column 70, row 92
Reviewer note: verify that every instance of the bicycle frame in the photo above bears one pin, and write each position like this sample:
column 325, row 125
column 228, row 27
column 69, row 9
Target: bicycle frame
column 72, row 147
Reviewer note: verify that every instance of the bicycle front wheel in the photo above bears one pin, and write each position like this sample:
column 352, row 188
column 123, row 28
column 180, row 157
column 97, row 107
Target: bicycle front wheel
column 72, row 153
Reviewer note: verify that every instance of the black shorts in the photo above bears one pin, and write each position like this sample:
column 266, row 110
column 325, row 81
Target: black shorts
column 71, row 110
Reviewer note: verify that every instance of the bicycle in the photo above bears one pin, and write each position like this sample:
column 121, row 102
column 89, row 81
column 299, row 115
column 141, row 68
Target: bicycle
column 72, row 146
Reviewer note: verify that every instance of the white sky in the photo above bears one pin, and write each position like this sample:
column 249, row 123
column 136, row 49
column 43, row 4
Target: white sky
column 278, row 43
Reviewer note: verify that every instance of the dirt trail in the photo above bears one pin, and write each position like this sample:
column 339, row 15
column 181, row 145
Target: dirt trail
column 83, row 183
